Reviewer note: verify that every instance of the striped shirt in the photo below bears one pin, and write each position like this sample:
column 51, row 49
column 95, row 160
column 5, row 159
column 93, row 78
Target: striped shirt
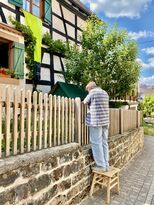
column 98, row 104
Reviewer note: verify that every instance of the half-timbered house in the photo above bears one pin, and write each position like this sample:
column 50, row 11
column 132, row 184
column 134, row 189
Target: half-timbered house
column 61, row 18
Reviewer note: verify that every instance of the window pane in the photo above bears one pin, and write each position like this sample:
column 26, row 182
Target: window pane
column 36, row 2
column 26, row 5
column 36, row 11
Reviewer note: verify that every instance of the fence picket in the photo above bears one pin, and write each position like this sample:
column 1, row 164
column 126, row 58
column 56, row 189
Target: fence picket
column 50, row 120
column 78, row 120
column 45, row 119
column 7, row 134
column 15, row 122
column 55, row 121
column 62, row 119
column 58, row 120
column 73, row 118
column 28, row 137
column 69, row 120
column 22, row 121
column 34, row 120
column 66, row 120
column 82, row 124
column 40, row 121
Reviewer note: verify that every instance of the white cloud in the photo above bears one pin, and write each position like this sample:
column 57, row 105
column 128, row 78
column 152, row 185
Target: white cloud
column 118, row 8
column 149, row 64
column 147, row 80
column 149, row 51
column 141, row 34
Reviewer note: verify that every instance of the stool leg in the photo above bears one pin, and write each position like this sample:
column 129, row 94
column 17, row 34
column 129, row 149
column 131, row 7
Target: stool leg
column 108, row 190
column 118, row 185
column 93, row 184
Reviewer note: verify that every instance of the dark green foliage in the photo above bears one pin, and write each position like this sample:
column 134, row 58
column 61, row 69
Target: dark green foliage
column 55, row 46
column 113, row 104
column 107, row 57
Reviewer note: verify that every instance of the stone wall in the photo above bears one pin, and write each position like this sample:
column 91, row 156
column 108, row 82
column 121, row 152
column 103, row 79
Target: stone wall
column 124, row 147
column 59, row 175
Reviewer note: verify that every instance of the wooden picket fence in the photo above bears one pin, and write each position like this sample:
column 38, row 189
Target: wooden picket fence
column 30, row 122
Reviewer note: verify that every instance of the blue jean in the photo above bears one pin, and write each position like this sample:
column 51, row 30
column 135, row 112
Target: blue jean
column 99, row 144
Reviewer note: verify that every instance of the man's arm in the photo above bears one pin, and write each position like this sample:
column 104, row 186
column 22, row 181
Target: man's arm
column 87, row 100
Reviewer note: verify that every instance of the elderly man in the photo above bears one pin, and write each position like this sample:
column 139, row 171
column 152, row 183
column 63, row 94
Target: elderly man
column 98, row 121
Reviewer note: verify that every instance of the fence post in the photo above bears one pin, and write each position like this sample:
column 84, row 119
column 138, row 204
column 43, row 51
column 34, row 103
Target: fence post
column 77, row 120
column 121, row 128
column 138, row 119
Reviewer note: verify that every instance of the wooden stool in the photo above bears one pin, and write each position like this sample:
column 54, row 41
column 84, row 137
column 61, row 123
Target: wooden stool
column 109, row 179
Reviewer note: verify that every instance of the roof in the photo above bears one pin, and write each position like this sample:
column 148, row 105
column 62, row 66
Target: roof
column 82, row 7
column 68, row 90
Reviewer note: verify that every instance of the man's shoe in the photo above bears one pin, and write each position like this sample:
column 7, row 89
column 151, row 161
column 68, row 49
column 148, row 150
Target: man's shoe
column 99, row 169
column 109, row 168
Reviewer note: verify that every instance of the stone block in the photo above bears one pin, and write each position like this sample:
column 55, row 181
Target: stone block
column 8, row 196
column 49, row 164
column 47, row 196
column 73, row 192
column 30, row 170
column 88, row 159
column 14, row 195
column 66, row 157
column 78, row 177
column 77, row 165
column 67, row 170
column 8, row 178
column 59, row 200
column 77, row 199
column 57, row 174
column 36, row 185
column 76, row 154
column 64, row 185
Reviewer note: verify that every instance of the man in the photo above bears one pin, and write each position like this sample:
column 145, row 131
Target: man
column 98, row 121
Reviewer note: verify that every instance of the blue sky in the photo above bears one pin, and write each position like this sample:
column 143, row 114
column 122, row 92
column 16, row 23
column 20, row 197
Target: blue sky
column 137, row 17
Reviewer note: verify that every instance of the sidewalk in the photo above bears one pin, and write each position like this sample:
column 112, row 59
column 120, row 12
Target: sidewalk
column 136, row 181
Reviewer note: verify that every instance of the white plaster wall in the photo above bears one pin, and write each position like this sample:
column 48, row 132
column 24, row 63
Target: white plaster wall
column 7, row 3
column 44, row 88
column 57, row 65
column 59, row 77
column 57, row 36
column 58, row 24
column 79, row 34
column 70, row 30
column 68, row 15
column 45, row 30
column 7, row 14
column 80, row 22
column 55, row 7
column 45, row 74
column 46, row 58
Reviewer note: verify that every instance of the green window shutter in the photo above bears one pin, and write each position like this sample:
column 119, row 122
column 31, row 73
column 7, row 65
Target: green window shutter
column 47, row 11
column 18, row 3
column 18, row 59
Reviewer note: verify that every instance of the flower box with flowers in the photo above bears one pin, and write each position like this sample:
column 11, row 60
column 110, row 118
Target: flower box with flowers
column 7, row 73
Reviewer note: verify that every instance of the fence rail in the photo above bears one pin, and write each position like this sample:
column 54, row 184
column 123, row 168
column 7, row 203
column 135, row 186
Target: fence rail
column 30, row 122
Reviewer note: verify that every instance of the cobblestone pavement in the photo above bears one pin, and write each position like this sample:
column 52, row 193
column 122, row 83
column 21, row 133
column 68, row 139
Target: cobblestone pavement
column 136, row 181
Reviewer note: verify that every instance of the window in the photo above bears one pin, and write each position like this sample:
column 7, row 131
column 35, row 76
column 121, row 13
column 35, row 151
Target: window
column 11, row 52
column 33, row 6
column 40, row 8
column 6, row 54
